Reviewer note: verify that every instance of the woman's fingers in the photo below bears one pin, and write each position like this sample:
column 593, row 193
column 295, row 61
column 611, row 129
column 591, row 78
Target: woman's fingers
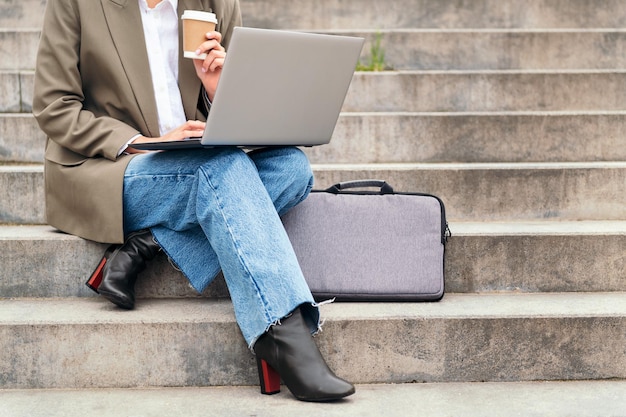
column 189, row 129
column 192, row 129
column 214, row 60
column 214, row 50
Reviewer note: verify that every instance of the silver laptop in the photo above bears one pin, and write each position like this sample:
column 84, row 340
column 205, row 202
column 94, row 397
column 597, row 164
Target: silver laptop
column 277, row 88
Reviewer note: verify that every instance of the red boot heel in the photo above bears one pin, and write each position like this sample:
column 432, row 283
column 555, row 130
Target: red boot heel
column 95, row 279
column 268, row 377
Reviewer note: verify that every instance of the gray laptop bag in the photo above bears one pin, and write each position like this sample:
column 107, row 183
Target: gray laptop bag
column 361, row 245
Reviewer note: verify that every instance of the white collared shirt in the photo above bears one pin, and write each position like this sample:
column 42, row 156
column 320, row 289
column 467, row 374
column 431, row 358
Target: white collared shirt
column 160, row 28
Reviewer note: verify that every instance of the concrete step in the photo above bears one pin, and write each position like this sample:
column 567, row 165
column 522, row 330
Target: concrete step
column 502, row 192
column 88, row 343
column 23, row 199
column 421, row 137
column 555, row 399
column 497, row 49
column 39, row 261
column 475, row 137
column 16, row 91
column 480, row 257
column 15, row 14
column 21, row 140
column 471, row 192
column 481, row 91
column 436, row 49
column 436, row 91
column 371, row 14
column 19, row 48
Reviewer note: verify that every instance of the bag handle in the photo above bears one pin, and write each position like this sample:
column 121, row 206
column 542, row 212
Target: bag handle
column 342, row 186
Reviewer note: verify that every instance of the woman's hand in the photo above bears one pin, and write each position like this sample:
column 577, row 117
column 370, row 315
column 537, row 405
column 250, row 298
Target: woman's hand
column 209, row 69
column 190, row 129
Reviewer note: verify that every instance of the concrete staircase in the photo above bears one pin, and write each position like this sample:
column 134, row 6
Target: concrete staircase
column 513, row 112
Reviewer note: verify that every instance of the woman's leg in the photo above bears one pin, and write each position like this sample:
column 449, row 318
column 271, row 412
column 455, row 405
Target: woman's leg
column 286, row 187
column 238, row 216
column 221, row 190
column 235, row 200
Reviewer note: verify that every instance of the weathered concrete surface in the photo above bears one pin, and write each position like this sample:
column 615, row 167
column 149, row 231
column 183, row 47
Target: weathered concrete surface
column 471, row 192
column 359, row 14
column 89, row 343
column 535, row 399
column 430, row 49
column 422, row 137
column 480, row 257
column 480, row 91
column 437, row 91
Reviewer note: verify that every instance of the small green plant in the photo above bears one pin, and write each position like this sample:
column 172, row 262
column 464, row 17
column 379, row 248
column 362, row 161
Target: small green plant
column 376, row 58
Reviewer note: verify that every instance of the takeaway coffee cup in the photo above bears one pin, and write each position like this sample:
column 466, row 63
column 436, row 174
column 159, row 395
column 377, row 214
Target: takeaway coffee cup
column 196, row 24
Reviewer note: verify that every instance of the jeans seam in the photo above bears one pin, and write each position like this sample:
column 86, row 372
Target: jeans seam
column 219, row 205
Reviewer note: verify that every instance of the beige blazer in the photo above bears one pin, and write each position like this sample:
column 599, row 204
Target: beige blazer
column 93, row 92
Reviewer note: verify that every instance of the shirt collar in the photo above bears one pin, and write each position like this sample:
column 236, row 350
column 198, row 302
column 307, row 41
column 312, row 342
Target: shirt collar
column 143, row 4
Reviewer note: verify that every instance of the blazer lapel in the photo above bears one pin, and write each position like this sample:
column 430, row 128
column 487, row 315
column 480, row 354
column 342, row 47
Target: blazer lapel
column 124, row 21
column 188, row 82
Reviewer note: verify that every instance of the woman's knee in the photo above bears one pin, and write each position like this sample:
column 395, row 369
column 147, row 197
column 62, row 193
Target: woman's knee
column 286, row 174
column 289, row 161
column 228, row 161
column 296, row 166
column 301, row 165
column 297, row 178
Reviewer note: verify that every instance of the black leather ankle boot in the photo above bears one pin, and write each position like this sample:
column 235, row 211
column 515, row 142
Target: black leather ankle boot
column 116, row 274
column 288, row 351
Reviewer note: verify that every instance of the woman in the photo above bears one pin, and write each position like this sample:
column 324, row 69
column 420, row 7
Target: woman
column 110, row 74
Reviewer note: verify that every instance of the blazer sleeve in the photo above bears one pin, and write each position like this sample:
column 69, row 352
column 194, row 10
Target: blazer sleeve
column 59, row 99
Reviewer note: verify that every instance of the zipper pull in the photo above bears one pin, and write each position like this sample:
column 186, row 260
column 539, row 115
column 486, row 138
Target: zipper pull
column 446, row 234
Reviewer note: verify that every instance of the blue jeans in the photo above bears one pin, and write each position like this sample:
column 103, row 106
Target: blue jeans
column 219, row 208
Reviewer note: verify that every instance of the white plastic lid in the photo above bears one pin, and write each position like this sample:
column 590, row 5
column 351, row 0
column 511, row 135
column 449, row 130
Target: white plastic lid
column 199, row 15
